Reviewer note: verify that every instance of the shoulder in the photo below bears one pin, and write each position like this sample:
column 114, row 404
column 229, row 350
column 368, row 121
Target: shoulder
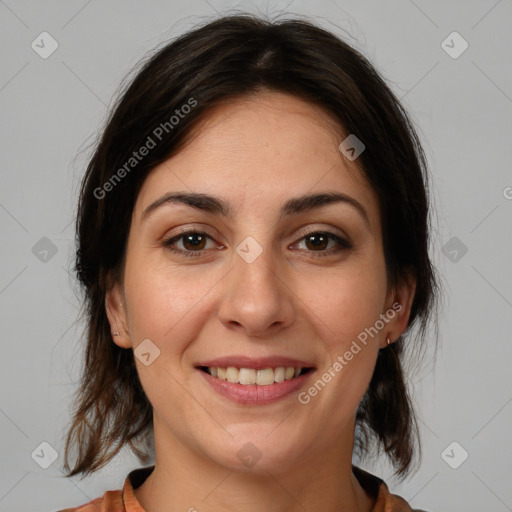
column 379, row 491
column 398, row 504
column 111, row 501
column 122, row 500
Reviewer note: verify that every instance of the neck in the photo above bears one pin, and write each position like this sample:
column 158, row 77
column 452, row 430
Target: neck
column 184, row 480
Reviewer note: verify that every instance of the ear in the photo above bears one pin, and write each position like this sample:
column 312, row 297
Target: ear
column 116, row 313
column 398, row 308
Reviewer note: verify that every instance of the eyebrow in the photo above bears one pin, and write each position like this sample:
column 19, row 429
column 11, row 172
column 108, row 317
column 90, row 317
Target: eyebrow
column 218, row 206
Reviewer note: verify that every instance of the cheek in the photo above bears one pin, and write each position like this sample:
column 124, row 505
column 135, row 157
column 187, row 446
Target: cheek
column 343, row 304
column 162, row 301
column 345, row 315
column 162, row 306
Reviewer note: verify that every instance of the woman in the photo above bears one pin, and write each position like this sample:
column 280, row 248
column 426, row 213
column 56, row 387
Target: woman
column 253, row 243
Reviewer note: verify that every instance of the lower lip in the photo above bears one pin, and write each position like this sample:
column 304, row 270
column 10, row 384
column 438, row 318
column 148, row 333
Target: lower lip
column 253, row 394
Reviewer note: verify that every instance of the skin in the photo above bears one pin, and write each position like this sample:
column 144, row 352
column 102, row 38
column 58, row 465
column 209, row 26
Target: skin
column 256, row 153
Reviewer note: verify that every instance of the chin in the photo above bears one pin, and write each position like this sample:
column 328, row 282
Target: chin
column 253, row 450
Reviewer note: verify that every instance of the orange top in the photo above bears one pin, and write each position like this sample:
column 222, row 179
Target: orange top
column 125, row 500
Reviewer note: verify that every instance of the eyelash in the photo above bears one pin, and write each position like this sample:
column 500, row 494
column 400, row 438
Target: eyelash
column 342, row 244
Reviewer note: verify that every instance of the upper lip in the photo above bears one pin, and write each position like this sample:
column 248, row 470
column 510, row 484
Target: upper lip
column 258, row 363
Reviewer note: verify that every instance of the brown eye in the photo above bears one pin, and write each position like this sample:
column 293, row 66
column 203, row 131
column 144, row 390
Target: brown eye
column 317, row 241
column 324, row 243
column 192, row 243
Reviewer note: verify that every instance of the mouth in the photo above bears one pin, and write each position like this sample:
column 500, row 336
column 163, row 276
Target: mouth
column 255, row 381
column 252, row 376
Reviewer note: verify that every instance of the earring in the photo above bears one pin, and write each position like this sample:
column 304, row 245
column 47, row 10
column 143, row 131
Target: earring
column 388, row 341
column 115, row 333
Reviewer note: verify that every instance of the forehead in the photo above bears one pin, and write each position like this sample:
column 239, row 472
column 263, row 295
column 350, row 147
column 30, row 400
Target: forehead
column 261, row 149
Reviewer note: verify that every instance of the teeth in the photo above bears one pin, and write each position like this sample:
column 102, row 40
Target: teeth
column 265, row 377
column 279, row 374
column 232, row 374
column 246, row 376
column 289, row 373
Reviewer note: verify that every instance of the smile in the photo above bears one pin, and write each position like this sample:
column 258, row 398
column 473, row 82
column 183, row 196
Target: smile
column 249, row 376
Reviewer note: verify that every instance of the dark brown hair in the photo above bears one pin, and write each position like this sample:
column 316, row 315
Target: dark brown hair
column 228, row 58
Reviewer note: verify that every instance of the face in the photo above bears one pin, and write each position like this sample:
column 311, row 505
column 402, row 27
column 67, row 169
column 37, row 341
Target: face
column 257, row 277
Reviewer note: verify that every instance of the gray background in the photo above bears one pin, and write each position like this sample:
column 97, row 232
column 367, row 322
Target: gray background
column 51, row 107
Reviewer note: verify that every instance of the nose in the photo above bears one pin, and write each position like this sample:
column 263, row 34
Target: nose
column 257, row 300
